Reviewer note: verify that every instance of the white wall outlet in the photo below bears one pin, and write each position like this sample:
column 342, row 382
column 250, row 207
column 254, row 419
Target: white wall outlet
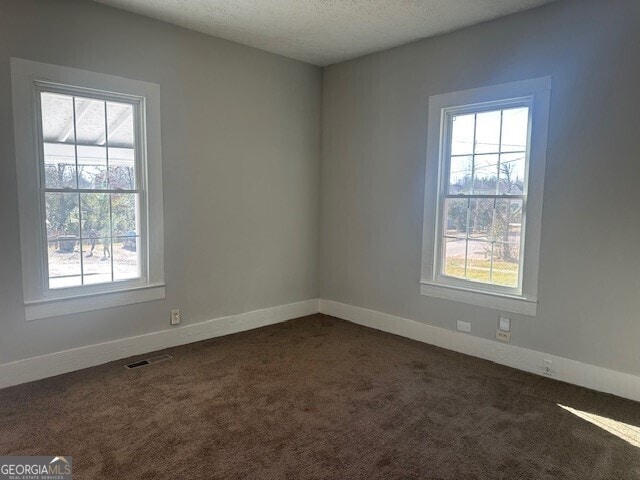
column 503, row 336
column 175, row 317
column 547, row 367
column 464, row 326
column 504, row 324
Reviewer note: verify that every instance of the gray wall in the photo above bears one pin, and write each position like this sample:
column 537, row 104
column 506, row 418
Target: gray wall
column 241, row 147
column 241, row 144
column 373, row 163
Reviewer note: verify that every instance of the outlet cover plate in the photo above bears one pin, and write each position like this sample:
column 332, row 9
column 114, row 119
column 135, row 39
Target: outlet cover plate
column 504, row 324
column 503, row 336
column 463, row 326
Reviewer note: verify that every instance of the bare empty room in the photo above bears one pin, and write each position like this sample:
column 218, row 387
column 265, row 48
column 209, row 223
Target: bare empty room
column 319, row 239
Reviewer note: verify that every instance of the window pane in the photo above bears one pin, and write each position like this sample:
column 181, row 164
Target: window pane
column 59, row 165
column 511, row 173
column 508, row 220
column 97, row 259
column 64, row 263
column 63, row 229
column 62, row 214
column 124, row 207
column 462, row 134
column 90, row 121
column 121, row 146
column 515, row 122
column 488, row 132
column 96, row 235
column 57, row 126
column 456, row 217
column 485, row 174
column 92, row 167
column 122, row 173
column 120, row 125
column 57, row 117
column 479, row 261
column 460, row 175
column 480, row 218
column 454, row 257
column 126, row 251
column 90, row 129
column 126, row 257
column 506, row 264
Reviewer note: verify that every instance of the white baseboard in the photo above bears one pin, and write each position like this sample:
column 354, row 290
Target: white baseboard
column 36, row 368
column 564, row 369
column 570, row 371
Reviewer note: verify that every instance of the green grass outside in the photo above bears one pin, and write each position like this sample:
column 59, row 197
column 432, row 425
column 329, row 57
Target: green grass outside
column 504, row 273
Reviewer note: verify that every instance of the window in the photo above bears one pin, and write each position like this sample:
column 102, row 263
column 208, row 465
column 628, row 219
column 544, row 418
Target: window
column 89, row 179
column 91, row 190
column 483, row 198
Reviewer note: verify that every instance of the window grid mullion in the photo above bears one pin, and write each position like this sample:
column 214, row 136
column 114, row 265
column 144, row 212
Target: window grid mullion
column 493, row 213
column 461, row 155
column 88, row 190
column 80, row 229
column 493, row 238
column 106, row 142
column 499, row 155
column 503, row 196
column 473, row 156
column 466, row 240
column 471, row 190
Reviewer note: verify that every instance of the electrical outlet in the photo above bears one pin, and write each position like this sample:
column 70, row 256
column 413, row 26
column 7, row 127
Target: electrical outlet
column 464, row 326
column 547, row 367
column 175, row 317
column 503, row 336
column 504, row 324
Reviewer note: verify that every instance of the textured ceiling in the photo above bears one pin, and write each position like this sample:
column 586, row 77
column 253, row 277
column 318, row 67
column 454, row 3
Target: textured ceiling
column 323, row 32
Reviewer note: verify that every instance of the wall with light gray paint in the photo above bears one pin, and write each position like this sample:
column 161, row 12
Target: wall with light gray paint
column 373, row 165
column 241, row 143
column 241, row 147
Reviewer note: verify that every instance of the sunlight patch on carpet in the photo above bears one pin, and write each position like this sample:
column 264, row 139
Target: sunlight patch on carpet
column 626, row 432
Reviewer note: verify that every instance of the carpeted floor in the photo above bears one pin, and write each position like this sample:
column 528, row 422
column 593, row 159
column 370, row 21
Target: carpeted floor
column 318, row 398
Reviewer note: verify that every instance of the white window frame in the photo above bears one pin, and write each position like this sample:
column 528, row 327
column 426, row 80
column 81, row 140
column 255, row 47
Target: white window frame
column 535, row 94
column 27, row 79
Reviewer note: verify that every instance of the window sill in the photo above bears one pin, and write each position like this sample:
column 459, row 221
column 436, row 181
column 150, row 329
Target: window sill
column 497, row 301
column 90, row 302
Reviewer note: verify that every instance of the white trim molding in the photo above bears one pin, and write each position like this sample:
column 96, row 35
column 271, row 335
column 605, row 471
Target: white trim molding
column 564, row 369
column 44, row 366
column 498, row 301
column 535, row 95
column 28, row 79
column 91, row 302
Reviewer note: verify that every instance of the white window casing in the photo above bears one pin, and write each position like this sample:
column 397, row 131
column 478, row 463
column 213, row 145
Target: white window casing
column 521, row 298
column 29, row 78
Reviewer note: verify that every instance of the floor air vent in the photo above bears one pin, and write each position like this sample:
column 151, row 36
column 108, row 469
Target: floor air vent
column 148, row 361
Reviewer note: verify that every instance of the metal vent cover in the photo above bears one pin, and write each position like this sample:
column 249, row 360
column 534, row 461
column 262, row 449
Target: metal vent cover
column 148, row 361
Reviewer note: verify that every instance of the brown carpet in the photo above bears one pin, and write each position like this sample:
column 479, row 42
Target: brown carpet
column 317, row 398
